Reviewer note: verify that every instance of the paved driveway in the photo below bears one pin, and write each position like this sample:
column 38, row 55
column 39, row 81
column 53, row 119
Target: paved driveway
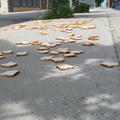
column 18, row 17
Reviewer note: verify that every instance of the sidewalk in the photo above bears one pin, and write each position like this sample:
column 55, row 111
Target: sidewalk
column 42, row 92
column 114, row 21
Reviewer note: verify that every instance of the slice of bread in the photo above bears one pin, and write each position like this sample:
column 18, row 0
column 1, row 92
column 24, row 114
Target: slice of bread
column 23, row 42
column 1, row 54
column 44, row 52
column 58, row 60
column 93, row 38
column 109, row 64
column 77, row 52
column 46, row 58
column 63, row 50
column 57, row 44
column 51, row 45
column 7, row 52
column 9, row 64
column 64, row 66
column 36, row 43
column 88, row 44
column 2, row 57
column 22, row 53
column 69, row 55
column 43, row 48
column 44, row 44
column 10, row 73
column 53, row 52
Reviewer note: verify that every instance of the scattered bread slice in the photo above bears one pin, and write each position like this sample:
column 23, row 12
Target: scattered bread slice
column 43, row 48
column 58, row 60
column 77, row 52
column 64, row 67
column 7, row 52
column 22, row 53
column 23, row 42
column 118, row 36
column 9, row 64
column 69, row 55
column 46, row 58
column 51, row 45
column 1, row 38
column 59, row 38
column 2, row 57
column 63, row 50
column 44, row 44
column 10, row 73
column 1, row 54
column 93, row 38
column 88, row 44
column 109, row 64
column 111, row 30
column 44, row 52
column 57, row 44
column 53, row 52
column 36, row 43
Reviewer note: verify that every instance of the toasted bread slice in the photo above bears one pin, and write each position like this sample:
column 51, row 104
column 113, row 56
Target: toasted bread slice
column 88, row 44
column 93, row 38
column 44, row 52
column 77, row 52
column 22, row 53
column 109, row 64
column 44, row 44
column 7, row 52
column 58, row 60
column 53, row 52
column 59, row 38
column 118, row 36
column 9, row 64
column 2, row 57
column 46, row 58
column 43, row 48
column 57, row 44
column 69, row 55
column 10, row 73
column 64, row 66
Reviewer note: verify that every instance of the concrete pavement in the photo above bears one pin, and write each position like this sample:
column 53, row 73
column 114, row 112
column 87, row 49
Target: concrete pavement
column 42, row 92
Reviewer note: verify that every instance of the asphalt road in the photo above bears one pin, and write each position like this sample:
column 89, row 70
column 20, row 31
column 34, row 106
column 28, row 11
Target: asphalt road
column 18, row 17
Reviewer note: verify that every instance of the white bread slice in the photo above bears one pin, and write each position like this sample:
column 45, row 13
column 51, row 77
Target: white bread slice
column 111, row 30
column 10, row 73
column 7, row 52
column 109, row 64
column 2, row 57
column 53, row 52
column 88, row 44
column 50, row 45
column 64, row 66
column 77, row 52
column 59, row 38
column 1, row 54
column 44, row 52
column 58, row 60
column 43, row 48
column 9, row 64
column 46, row 58
column 44, row 44
column 22, row 53
column 69, row 55
column 57, row 44
column 63, row 50
column 23, row 42
column 36, row 43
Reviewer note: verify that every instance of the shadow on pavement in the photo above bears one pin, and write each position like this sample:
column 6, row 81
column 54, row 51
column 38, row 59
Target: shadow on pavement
column 40, row 91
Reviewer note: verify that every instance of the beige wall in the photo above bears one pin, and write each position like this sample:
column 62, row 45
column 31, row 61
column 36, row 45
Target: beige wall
column 4, row 6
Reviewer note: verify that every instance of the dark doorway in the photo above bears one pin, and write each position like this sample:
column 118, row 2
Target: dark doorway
column 10, row 5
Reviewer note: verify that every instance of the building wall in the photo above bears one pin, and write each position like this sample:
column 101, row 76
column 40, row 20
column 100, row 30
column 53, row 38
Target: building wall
column 4, row 6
